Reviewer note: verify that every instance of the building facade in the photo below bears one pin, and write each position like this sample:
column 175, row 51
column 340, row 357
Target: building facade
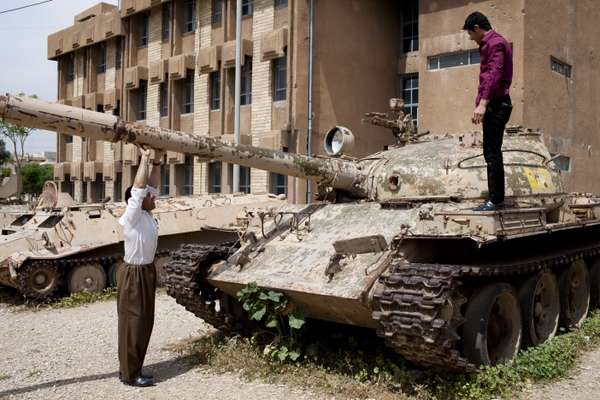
column 171, row 64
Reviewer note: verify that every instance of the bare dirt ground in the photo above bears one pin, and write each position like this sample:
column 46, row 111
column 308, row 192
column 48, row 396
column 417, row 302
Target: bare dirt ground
column 582, row 384
column 72, row 354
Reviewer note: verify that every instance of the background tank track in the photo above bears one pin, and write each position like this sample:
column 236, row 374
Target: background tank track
column 59, row 267
column 184, row 280
column 419, row 307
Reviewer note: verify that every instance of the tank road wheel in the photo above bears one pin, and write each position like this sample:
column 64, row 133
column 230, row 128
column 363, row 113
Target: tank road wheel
column 87, row 278
column 595, row 284
column 574, row 285
column 38, row 280
column 492, row 328
column 112, row 274
column 540, row 308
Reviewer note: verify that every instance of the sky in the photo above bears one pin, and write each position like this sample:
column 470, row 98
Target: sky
column 24, row 66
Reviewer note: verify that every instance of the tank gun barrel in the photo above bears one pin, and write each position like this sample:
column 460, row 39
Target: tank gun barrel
column 34, row 113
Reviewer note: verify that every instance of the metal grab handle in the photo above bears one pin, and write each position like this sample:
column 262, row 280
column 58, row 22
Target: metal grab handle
column 544, row 163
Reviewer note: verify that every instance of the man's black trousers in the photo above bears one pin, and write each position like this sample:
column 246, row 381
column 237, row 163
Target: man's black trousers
column 494, row 122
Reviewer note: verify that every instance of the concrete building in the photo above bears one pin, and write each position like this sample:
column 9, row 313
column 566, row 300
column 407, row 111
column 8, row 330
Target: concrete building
column 170, row 64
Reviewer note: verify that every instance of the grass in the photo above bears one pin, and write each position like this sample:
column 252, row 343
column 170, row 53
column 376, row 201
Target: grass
column 4, row 376
column 83, row 298
column 353, row 363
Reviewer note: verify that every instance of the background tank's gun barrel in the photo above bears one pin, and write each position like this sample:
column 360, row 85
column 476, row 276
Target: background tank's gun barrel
column 33, row 113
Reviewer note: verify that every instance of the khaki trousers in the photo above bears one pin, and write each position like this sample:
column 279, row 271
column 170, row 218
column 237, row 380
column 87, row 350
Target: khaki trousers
column 135, row 306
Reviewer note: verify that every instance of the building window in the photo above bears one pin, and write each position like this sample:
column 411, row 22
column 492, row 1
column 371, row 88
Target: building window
column 101, row 58
column 215, row 90
column 410, row 26
column 244, row 179
column 563, row 163
column 164, row 99
column 118, row 56
column 188, row 93
column 247, row 7
column 189, row 16
column 188, row 176
column 142, row 98
column 451, row 60
column 410, row 95
column 69, row 68
column 166, row 22
column 281, row 3
column 68, row 139
column 280, row 79
column 278, row 183
column 117, row 187
column 214, row 177
column 560, row 67
column 217, row 11
column 144, row 27
column 246, row 94
column 165, row 180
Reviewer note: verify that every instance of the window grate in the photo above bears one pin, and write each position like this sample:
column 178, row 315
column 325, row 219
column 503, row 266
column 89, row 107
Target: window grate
column 246, row 93
column 188, row 93
column 215, row 90
column 561, row 67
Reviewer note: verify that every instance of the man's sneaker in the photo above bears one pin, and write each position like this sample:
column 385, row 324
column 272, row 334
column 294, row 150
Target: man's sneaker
column 489, row 206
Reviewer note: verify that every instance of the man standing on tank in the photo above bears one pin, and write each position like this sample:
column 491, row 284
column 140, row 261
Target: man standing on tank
column 493, row 105
column 136, row 277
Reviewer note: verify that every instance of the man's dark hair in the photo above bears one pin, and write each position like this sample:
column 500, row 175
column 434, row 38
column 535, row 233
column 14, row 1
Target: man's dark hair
column 128, row 194
column 478, row 19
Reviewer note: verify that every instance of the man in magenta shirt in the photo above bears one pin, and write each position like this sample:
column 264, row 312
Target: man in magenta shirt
column 493, row 105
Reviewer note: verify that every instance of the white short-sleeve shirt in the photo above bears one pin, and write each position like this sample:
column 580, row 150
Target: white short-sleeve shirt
column 140, row 230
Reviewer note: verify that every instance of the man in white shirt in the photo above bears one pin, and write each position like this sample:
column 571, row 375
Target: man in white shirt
column 136, row 278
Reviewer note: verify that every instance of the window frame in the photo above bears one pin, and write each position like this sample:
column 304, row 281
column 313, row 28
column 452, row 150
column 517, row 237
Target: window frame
column 165, row 180
column 561, row 67
column 187, row 188
column 472, row 58
column 101, row 58
column 215, row 90
column 216, row 12
column 164, row 100
column 245, row 179
column 70, row 68
column 187, row 103
column 280, row 69
column 144, row 31
column 411, row 107
column 246, row 82
column 247, row 8
column 410, row 19
column 275, row 185
column 280, row 3
column 215, row 177
column 189, row 17
column 142, row 100
column 166, row 22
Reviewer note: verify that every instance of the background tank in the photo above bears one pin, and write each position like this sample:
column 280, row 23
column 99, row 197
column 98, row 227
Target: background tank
column 60, row 244
column 393, row 244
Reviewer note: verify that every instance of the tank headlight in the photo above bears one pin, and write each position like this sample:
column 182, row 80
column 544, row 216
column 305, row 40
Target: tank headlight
column 338, row 141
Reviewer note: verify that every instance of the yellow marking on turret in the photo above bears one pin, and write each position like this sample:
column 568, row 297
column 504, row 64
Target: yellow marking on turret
column 539, row 179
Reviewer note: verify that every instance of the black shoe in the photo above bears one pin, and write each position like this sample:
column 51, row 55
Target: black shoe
column 489, row 206
column 140, row 381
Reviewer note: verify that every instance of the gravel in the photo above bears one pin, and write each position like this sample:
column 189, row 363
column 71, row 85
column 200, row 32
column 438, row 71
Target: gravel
column 72, row 354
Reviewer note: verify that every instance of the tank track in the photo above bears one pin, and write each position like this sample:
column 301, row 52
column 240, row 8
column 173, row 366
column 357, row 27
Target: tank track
column 184, row 280
column 60, row 266
column 419, row 306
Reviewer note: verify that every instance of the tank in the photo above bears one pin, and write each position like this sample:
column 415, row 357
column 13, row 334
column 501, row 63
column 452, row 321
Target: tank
column 392, row 243
column 56, row 246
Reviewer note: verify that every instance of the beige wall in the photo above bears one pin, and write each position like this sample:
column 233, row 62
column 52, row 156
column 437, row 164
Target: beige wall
column 447, row 96
column 354, row 69
column 567, row 109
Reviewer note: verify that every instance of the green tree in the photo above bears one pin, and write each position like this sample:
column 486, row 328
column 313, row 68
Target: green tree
column 17, row 136
column 33, row 177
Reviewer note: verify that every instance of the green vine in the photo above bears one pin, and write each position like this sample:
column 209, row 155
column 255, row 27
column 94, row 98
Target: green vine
column 279, row 316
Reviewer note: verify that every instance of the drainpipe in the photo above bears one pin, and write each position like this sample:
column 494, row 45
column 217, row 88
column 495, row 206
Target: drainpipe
column 311, row 24
column 238, row 89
